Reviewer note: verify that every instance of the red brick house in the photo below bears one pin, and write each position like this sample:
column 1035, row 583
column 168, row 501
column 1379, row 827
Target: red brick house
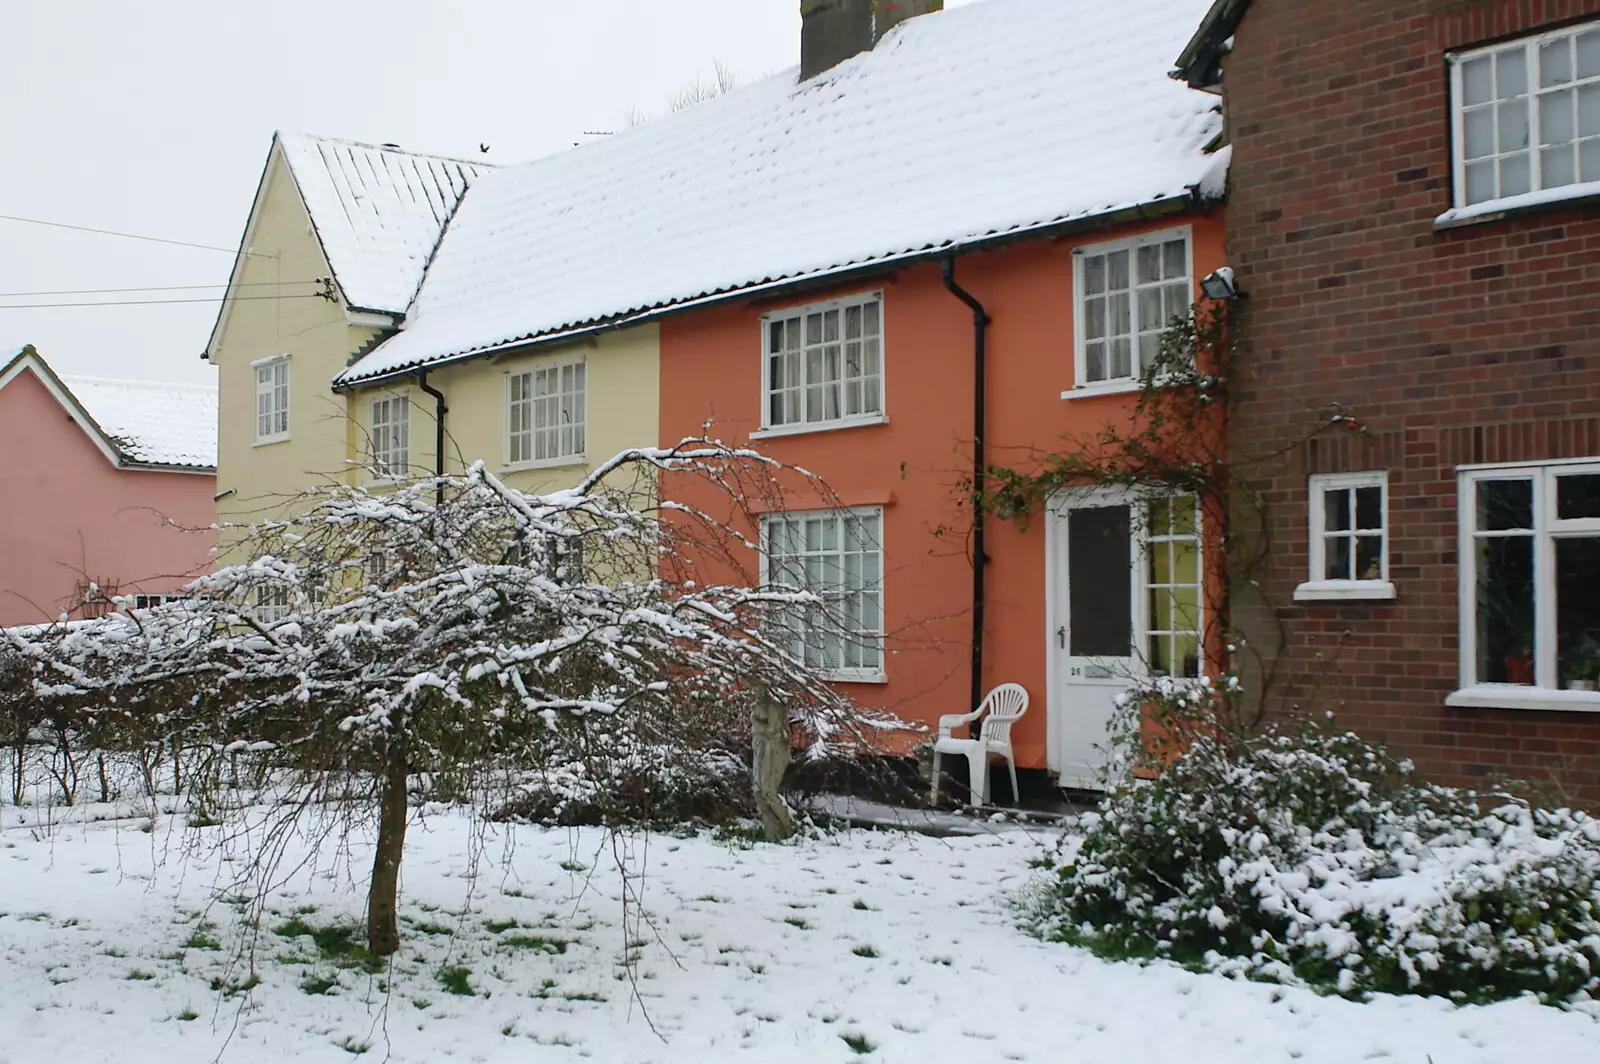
column 1414, row 215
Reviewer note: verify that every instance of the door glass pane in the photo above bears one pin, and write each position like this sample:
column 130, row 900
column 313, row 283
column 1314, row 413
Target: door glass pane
column 1099, row 602
column 1505, row 609
column 1578, row 612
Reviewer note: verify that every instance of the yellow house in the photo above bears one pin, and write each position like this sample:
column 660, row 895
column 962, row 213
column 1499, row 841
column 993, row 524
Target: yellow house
column 339, row 238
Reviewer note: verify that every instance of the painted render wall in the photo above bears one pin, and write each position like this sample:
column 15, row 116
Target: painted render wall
column 69, row 514
column 622, row 381
column 912, row 465
column 319, row 340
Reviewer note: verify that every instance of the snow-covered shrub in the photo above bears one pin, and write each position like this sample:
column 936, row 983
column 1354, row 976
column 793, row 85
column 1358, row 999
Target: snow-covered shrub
column 1311, row 857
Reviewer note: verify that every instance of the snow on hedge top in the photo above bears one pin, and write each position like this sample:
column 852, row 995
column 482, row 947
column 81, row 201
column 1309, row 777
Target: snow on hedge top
column 993, row 118
column 150, row 422
column 378, row 212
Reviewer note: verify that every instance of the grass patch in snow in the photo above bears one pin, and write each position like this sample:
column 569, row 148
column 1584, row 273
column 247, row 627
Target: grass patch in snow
column 202, row 938
column 337, row 943
column 457, row 980
column 427, row 927
column 316, row 985
column 139, row 975
column 865, row 951
column 858, row 1043
column 187, row 1016
column 535, row 942
column 498, row 926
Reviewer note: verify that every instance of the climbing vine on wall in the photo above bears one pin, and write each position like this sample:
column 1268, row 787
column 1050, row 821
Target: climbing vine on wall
column 1173, row 440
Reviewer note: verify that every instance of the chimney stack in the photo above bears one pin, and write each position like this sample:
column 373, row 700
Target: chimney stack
column 832, row 31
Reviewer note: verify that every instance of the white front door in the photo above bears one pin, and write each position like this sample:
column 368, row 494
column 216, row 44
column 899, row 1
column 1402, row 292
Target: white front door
column 1124, row 602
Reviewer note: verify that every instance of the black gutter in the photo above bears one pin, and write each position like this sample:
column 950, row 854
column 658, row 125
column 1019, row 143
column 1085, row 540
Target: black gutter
column 980, row 428
column 439, row 411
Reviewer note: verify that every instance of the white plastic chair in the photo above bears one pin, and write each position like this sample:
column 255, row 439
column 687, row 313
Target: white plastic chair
column 1001, row 708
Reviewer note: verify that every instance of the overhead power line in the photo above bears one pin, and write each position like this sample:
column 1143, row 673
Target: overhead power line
column 155, row 288
column 131, row 236
column 152, row 302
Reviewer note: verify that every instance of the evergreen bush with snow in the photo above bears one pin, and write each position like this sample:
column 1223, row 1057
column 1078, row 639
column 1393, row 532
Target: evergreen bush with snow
column 1311, row 858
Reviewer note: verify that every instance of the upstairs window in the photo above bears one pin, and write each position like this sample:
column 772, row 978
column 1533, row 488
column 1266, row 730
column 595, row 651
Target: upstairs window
column 823, row 364
column 1527, row 115
column 547, row 414
column 391, row 437
column 1128, row 292
column 272, row 400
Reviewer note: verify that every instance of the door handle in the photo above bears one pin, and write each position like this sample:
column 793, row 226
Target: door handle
column 1061, row 637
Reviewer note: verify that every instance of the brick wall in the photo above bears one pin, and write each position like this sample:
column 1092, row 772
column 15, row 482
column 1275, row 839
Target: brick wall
column 1464, row 345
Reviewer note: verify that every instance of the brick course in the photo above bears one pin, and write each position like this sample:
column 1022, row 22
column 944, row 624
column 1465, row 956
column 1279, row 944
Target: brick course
column 1473, row 344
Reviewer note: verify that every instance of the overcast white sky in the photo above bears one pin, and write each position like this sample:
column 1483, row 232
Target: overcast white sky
column 154, row 117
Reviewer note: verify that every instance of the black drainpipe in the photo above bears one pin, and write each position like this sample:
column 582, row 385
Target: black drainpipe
column 439, row 411
column 980, row 428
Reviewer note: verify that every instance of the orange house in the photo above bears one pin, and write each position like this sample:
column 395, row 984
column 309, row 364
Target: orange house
column 882, row 375
column 1062, row 604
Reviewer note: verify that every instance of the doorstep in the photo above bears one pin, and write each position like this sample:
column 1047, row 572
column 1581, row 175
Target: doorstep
column 863, row 812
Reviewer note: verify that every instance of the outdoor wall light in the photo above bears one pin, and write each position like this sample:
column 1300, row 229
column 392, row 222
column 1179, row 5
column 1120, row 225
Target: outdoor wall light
column 1220, row 284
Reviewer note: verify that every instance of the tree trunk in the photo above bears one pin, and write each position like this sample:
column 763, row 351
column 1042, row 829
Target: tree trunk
column 769, row 729
column 383, row 913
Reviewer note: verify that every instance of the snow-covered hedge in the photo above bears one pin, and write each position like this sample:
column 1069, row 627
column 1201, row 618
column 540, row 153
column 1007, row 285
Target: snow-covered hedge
column 1310, row 857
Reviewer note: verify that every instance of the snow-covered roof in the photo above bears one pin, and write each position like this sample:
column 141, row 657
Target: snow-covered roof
column 153, row 423
column 981, row 121
column 377, row 212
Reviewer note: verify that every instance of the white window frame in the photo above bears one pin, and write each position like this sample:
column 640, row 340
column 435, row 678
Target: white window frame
column 392, row 463
column 799, row 313
column 1545, row 692
column 843, row 674
column 1317, row 586
column 513, row 460
column 265, row 371
column 143, row 601
column 1081, row 385
column 272, row 604
column 1531, row 46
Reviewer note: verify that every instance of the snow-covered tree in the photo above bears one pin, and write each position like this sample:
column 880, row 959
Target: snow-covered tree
column 463, row 627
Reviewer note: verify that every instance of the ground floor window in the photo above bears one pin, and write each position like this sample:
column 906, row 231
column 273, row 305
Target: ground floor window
column 837, row 555
column 1530, row 575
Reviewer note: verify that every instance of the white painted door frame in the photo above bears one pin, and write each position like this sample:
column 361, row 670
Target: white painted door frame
column 1059, row 701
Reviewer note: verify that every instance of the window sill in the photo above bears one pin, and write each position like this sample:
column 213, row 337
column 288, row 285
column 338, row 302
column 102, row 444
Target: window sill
column 1514, row 696
column 1087, row 391
column 855, row 676
column 819, row 426
column 268, row 441
column 1345, row 591
column 571, row 461
column 1513, row 206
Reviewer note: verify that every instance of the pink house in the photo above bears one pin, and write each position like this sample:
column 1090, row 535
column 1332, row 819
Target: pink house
column 105, row 489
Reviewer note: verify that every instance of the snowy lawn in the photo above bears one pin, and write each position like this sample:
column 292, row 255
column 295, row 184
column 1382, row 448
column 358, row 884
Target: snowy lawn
column 876, row 946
